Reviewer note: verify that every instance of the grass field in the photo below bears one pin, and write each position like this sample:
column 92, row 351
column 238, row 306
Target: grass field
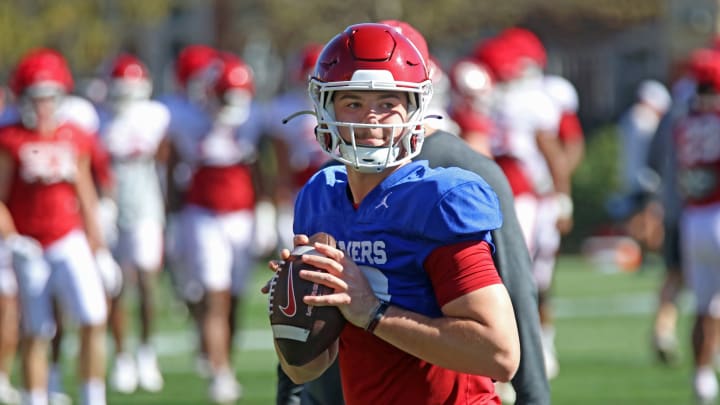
column 603, row 330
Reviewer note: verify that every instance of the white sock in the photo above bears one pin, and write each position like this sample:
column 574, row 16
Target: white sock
column 146, row 353
column 34, row 397
column 92, row 392
column 55, row 378
column 706, row 383
column 547, row 335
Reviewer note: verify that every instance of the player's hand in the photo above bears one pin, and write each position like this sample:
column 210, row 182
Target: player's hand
column 353, row 295
column 564, row 225
column 23, row 248
column 275, row 264
column 110, row 272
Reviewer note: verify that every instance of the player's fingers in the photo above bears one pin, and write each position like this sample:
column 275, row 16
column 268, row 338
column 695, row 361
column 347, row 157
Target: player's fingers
column 300, row 239
column 326, row 263
column 329, row 251
column 266, row 288
column 275, row 264
column 330, row 300
column 324, row 278
column 284, row 254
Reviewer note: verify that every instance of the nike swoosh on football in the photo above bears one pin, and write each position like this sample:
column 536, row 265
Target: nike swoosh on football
column 290, row 309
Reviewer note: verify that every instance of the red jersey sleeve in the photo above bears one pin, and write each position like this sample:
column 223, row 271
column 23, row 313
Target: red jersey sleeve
column 458, row 269
column 570, row 129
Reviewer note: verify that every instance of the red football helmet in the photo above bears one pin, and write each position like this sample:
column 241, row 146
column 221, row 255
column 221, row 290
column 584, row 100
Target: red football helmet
column 194, row 60
column 412, row 34
column 234, row 88
column 129, row 80
column 371, row 57
column 704, row 67
column 306, row 62
column 235, row 75
column 500, row 59
column 41, row 72
column 197, row 68
column 526, row 44
column 472, row 83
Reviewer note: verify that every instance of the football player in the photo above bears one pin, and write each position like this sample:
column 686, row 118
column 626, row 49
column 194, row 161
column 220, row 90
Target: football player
column 525, row 144
column 414, row 332
column 49, row 222
column 132, row 133
column 698, row 160
column 220, row 147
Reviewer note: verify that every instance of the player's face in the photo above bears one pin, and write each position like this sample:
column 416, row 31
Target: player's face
column 370, row 107
column 45, row 108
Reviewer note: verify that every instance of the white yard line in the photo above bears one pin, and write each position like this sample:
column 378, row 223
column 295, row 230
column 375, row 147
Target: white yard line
column 182, row 342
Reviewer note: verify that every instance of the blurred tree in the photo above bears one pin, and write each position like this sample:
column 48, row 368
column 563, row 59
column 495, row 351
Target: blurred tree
column 84, row 30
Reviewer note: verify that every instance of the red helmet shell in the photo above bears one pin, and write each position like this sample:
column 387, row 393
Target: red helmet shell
column 236, row 74
column 193, row 60
column 526, row 44
column 412, row 34
column 44, row 67
column 704, row 66
column 307, row 61
column 129, row 67
column 371, row 46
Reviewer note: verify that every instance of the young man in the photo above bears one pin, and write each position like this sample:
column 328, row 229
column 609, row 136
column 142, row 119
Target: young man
column 48, row 219
column 443, row 149
column 417, row 306
column 219, row 144
column 698, row 162
column 132, row 132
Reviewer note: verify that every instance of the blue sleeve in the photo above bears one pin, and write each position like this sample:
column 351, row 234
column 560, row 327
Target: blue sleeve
column 463, row 213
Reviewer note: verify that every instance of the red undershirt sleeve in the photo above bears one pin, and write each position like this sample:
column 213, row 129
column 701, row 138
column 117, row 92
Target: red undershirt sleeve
column 458, row 269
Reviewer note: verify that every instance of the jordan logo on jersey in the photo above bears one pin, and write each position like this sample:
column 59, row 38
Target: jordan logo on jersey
column 384, row 203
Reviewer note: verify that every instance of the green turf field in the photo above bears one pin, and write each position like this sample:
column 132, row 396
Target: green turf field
column 603, row 330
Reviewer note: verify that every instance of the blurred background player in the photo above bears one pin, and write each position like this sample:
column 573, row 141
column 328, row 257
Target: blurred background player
column 298, row 154
column 525, row 144
column 220, row 147
column 45, row 179
column 196, row 69
column 698, row 158
column 9, row 311
column 640, row 212
column 470, row 102
column 132, row 133
column 662, row 160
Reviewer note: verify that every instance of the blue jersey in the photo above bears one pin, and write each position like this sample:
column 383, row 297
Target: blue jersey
column 399, row 223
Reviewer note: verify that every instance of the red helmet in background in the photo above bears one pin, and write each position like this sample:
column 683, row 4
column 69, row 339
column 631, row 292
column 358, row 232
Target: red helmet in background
column 704, row 67
column 501, row 60
column 472, row 83
column 306, row 62
column 129, row 80
column 235, row 75
column 234, row 89
column 41, row 72
column 194, row 61
column 371, row 57
column 526, row 44
column 412, row 34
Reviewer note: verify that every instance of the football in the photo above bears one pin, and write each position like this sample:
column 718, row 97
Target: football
column 302, row 331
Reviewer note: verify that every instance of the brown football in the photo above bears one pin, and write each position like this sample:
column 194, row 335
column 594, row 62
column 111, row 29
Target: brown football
column 302, row 331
